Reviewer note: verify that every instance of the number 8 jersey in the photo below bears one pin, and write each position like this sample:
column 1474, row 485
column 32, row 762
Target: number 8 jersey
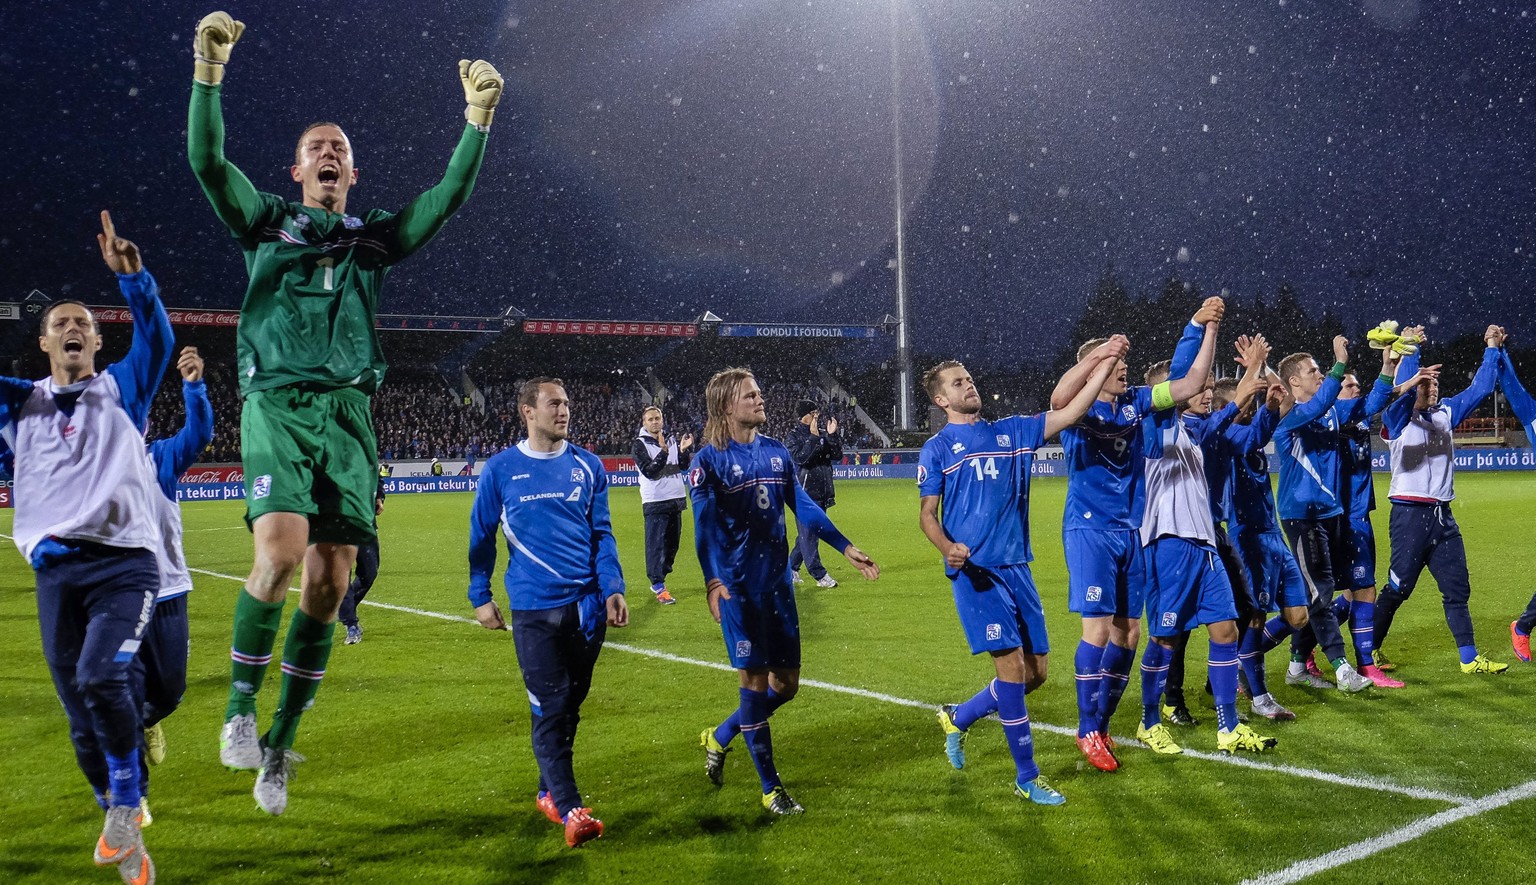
column 739, row 494
column 980, row 472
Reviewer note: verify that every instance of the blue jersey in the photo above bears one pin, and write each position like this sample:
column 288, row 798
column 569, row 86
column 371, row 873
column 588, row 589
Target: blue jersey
column 1106, row 489
column 1355, row 448
column 173, row 455
column 739, row 494
column 553, row 509
column 1520, row 400
column 1226, row 444
column 980, row 472
column 1307, row 444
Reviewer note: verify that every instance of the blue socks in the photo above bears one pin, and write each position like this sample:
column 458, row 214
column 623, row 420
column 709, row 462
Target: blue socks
column 123, row 773
column 726, row 731
column 1010, row 709
column 1116, row 670
column 1154, row 675
column 1086, row 664
column 1223, row 673
column 981, row 705
column 1362, row 629
column 1468, row 653
column 1251, row 657
column 754, row 730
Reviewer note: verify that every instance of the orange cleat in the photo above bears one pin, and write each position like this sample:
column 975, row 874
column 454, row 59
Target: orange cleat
column 581, row 827
column 1098, row 753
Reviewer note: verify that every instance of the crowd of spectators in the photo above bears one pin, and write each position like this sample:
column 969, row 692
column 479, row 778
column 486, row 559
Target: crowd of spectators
column 420, row 417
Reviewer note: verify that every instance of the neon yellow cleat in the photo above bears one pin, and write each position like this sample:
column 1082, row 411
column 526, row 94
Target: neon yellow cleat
column 1159, row 739
column 1481, row 664
column 1243, row 738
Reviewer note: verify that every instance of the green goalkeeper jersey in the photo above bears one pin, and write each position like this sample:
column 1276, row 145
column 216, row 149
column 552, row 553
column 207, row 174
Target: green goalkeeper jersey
column 308, row 318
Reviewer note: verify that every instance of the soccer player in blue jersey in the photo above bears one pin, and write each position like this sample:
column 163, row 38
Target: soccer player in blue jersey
column 1357, row 604
column 1418, row 426
column 159, row 671
column 1105, row 501
column 741, row 482
column 549, row 498
column 973, row 479
column 1310, row 506
column 1187, row 582
column 85, row 521
column 1524, row 406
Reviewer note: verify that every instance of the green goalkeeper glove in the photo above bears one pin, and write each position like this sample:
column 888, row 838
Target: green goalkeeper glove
column 482, row 90
column 216, row 35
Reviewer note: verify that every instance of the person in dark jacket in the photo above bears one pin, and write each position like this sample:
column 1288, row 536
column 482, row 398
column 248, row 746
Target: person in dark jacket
column 815, row 449
column 367, row 573
column 661, row 461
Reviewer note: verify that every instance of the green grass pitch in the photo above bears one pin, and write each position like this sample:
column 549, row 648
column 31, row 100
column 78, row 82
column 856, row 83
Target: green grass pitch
column 420, row 767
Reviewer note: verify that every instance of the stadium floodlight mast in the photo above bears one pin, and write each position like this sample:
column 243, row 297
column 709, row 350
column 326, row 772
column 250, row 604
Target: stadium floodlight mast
column 903, row 324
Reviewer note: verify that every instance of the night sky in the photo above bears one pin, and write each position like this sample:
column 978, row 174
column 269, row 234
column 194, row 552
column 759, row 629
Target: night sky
column 654, row 158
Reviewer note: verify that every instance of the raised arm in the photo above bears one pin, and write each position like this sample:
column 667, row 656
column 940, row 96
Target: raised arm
column 1188, row 348
column 173, row 456
column 1520, row 401
column 1192, row 382
column 1482, row 382
column 1071, row 383
column 137, row 374
column 1057, row 420
column 235, row 200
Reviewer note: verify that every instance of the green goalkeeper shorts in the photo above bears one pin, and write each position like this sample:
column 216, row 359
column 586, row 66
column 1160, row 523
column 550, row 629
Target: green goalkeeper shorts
column 311, row 452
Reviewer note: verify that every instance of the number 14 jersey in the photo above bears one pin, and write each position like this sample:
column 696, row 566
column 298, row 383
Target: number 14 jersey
column 981, row 472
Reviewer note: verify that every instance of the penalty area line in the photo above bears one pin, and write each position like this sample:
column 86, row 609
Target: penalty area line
column 1363, row 783
column 1377, row 844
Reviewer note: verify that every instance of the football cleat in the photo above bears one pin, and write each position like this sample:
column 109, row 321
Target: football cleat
column 954, row 736
column 354, row 634
column 826, row 582
column 121, row 844
column 1097, row 752
column 271, row 790
column 581, row 827
column 1383, row 336
column 794, row 578
column 1179, row 714
column 1312, row 666
column 145, row 818
column 1379, row 678
column 546, row 804
column 1243, row 738
column 1349, row 681
column 154, row 744
column 714, row 757
column 1481, row 664
column 1158, row 739
column 1265, row 705
column 1521, row 642
column 1306, row 680
column 239, row 745
column 665, row 598
column 1381, row 661
column 779, row 802
column 1038, row 792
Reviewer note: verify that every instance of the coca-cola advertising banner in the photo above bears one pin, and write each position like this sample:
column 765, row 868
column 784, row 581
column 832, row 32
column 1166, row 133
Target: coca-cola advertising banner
column 227, row 318
column 5, row 493
column 200, row 473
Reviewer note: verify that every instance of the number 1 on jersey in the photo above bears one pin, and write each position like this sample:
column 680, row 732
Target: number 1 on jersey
column 330, row 273
column 989, row 471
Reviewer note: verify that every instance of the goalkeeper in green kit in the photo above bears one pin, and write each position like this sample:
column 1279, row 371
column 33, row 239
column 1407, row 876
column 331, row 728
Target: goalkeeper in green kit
column 308, row 358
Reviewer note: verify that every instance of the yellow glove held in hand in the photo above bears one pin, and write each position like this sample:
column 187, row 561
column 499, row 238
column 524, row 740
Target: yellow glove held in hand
column 482, row 90
column 216, row 35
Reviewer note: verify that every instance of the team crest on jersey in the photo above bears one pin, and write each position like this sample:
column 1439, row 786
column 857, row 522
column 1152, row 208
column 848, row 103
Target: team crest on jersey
column 736, row 470
column 957, row 448
column 994, row 632
column 1170, row 619
column 301, row 221
column 1128, row 412
column 352, row 222
column 1263, row 597
column 1003, row 441
column 578, row 474
column 695, row 476
column 922, row 474
column 1095, row 594
column 778, row 463
column 743, row 648
column 261, row 486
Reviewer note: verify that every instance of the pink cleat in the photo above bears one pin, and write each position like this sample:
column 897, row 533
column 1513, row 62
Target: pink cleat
column 1378, row 678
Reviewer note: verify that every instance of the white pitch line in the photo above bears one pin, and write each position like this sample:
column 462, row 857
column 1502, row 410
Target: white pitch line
column 1377, row 844
column 1363, row 783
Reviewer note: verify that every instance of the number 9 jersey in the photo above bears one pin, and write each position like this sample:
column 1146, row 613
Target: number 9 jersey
column 981, row 474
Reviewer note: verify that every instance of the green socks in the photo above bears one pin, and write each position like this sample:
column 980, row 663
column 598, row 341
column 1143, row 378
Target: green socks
column 305, row 653
column 250, row 651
